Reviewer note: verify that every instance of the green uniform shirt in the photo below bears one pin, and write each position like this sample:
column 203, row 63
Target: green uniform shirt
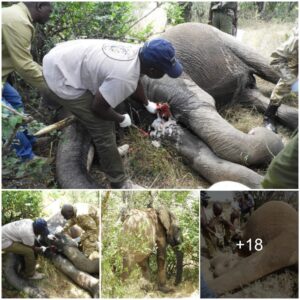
column 17, row 35
column 283, row 170
column 86, row 217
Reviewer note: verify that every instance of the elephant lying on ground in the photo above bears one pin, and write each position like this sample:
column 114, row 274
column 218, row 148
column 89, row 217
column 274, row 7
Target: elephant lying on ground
column 149, row 229
column 276, row 223
column 73, row 263
column 218, row 69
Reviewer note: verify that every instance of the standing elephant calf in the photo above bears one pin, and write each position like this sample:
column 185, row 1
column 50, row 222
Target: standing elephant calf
column 145, row 230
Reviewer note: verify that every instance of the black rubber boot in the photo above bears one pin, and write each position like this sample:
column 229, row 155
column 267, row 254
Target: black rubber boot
column 269, row 117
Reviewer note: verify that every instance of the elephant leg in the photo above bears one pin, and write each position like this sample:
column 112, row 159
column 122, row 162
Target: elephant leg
column 286, row 115
column 274, row 256
column 127, row 267
column 145, row 268
column 204, row 161
column 84, row 280
column 161, row 266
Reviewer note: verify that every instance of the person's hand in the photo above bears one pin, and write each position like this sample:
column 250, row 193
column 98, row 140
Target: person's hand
column 43, row 249
column 151, row 107
column 51, row 237
column 126, row 122
column 77, row 241
column 58, row 229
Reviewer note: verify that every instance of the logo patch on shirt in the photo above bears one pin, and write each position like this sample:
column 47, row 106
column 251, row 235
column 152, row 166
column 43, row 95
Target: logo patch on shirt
column 119, row 51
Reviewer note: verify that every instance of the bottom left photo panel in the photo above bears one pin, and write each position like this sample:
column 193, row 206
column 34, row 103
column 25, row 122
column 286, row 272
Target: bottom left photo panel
column 50, row 244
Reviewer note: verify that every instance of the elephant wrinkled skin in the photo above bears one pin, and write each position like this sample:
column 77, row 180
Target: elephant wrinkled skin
column 149, row 229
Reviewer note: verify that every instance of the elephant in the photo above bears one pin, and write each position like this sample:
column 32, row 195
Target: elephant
column 218, row 70
column 149, row 229
column 73, row 262
column 276, row 224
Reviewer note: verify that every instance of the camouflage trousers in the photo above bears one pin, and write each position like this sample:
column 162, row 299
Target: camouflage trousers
column 222, row 21
column 89, row 244
column 284, row 85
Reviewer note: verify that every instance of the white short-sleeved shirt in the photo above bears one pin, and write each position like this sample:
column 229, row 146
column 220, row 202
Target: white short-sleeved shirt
column 72, row 68
column 18, row 231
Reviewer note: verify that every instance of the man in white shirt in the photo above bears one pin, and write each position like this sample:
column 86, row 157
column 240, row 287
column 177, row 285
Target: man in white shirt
column 91, row 77
column 19, row 237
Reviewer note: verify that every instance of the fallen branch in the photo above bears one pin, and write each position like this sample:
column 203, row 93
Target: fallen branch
column 26, row 118
column 6, row 147
column 56, row 126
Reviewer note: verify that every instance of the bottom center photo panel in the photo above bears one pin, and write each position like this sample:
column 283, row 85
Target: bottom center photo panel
column 150, row 244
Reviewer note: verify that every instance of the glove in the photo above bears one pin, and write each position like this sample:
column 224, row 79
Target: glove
column 77, row 240
column 58, row 229
column 43, row 249
column 51, row 237
column 126, row 122
column 151, row 107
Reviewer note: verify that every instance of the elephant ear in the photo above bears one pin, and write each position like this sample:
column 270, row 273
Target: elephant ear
column 164, row 216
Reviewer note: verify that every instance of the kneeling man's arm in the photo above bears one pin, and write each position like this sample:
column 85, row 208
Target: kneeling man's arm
column 104, row 111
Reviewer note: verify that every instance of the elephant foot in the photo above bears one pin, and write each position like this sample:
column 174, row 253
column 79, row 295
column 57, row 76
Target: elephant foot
column 145, row 285
column 165, row 289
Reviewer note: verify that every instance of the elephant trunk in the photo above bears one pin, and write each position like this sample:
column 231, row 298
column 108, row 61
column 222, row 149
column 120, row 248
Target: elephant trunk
column 71, row 158
column 11, row 264
column 179, row 264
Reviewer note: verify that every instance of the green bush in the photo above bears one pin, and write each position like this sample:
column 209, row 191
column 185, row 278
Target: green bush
column 184, row 205
column 18, row 205
column 175, row 13
column 280, row 11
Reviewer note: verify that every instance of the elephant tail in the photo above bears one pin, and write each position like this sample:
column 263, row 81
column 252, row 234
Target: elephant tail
column 257, row 63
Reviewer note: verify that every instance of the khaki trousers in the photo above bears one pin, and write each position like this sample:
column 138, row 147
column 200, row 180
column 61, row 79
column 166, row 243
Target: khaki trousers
column 28, row 254
column 102, row 133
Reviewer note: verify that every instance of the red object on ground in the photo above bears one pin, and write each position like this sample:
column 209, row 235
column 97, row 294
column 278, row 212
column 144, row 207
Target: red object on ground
column 163, row 110
column 142, row 131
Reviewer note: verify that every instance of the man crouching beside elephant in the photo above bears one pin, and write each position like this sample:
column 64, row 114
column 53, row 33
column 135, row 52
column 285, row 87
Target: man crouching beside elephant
column 87, row 218
column 151, row 230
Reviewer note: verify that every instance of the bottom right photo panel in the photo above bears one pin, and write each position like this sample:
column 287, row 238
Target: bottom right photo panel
column 249, row 244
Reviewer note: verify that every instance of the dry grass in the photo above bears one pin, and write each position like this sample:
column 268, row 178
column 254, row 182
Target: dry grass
column 265, row 37
column 56, row 284
column 158, row 167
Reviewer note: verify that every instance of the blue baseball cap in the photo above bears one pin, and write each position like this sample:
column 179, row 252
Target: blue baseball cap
column 160, row 53
column 40, row 225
